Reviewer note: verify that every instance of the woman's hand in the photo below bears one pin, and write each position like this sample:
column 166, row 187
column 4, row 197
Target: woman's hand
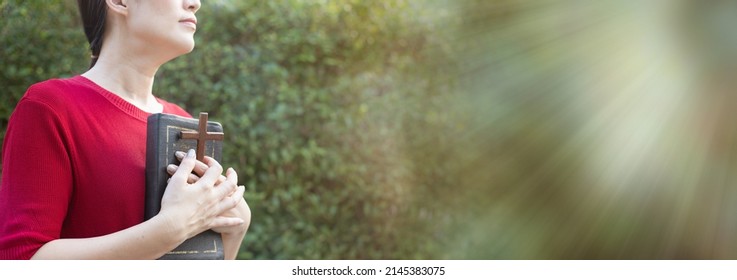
column 241, row 210
column 191, row 208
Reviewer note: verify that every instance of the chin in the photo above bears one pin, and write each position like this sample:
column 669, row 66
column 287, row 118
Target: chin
column 188, row 49
column 183, row 46
column 189, row 44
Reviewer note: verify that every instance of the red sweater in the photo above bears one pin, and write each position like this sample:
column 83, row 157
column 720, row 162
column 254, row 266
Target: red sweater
column 73, row 165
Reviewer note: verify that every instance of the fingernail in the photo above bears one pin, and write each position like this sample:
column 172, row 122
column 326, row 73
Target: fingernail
column 191, row 153
column 171, row 168
column 180, row 154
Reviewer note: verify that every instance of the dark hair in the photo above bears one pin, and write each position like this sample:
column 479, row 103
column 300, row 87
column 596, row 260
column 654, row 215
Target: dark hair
column 93, row 14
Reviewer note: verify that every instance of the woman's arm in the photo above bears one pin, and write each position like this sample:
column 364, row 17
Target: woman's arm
column 233, row 235
column 186, row 210
column 148, row 240
column 232, row 244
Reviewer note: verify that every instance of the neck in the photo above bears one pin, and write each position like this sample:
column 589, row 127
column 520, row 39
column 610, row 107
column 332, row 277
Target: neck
column 129, row 76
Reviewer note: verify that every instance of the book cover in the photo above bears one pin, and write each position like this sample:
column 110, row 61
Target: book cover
column 164, row 138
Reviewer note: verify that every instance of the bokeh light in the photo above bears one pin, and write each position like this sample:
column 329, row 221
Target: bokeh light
column 598, row 129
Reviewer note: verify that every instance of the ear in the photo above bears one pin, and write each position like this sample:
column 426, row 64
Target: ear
column 118, row 6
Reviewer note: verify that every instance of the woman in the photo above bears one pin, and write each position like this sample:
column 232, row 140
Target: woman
column 74, row 153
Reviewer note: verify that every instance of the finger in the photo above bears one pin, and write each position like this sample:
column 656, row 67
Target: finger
column 228, row 203
column 213, row 173
column 232, row 175
column 185, row 168
column 227, row 187
column 192, row 179
column 226, row 222
column 199, row 168
column 225, row 190
column 238, row 194
column 171, row 169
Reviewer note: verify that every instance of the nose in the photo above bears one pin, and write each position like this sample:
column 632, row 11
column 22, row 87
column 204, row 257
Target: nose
column 193, row 5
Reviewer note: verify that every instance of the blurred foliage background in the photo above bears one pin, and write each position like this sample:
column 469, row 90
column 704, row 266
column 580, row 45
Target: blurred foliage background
column 472, row 129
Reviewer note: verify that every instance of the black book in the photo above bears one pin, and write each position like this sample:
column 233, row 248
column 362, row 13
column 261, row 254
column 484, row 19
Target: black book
column 164, row 138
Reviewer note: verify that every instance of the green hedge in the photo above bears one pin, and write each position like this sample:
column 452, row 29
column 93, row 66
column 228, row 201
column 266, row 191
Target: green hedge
column 326, row 105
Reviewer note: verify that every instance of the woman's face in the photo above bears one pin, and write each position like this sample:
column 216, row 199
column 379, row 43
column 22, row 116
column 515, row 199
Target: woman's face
column 164, row 24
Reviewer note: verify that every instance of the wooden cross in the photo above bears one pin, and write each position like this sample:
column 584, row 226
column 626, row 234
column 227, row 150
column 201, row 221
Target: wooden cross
column 201, row 135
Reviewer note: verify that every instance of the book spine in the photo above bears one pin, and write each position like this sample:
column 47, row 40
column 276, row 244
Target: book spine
column 152, row 164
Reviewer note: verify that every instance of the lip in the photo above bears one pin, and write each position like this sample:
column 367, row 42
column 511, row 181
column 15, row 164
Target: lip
column 190, row 21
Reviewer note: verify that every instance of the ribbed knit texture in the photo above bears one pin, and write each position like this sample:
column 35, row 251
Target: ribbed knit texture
column 73, row 165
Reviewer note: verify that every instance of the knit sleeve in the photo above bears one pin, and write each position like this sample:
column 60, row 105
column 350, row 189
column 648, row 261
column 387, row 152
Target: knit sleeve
column 36, row 180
